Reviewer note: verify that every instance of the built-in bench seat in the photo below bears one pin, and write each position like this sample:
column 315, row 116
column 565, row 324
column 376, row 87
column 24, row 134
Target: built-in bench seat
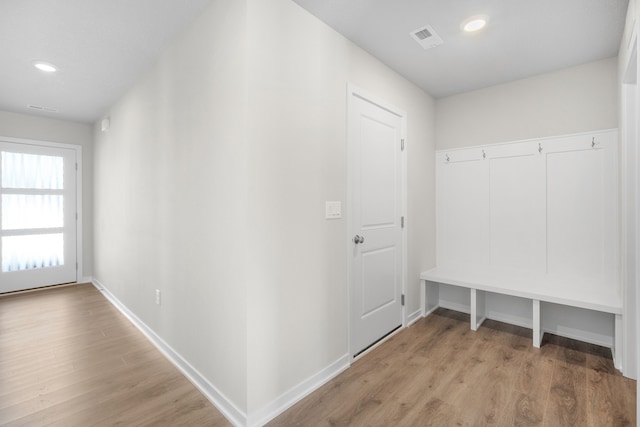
column 586, row 294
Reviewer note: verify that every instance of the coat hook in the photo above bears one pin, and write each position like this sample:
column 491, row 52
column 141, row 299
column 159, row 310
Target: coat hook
column 539, row 147
column 447, row 158
column 484, row 155
column 593, row 142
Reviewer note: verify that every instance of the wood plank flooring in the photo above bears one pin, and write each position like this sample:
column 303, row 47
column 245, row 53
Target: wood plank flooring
column 439, row 373
column 69, row 358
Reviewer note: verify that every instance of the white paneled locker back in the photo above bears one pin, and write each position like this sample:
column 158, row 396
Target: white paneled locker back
column 544, row 207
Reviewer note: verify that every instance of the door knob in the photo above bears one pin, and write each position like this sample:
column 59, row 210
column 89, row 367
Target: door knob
column 358, row 239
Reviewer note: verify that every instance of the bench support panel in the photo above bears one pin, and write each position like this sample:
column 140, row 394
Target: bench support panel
column 537, row 329
column 429, row 297
column 617, row 343
column 477, row 309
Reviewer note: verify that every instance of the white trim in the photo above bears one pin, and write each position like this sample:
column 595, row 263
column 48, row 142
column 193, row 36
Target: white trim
column 427, row 313
column 297, row 393
column 79, row 221
column 634, row 39
column 219, row 400
column 414, row 317
column 362, row 94
column 450, row 305
column 628, row 354
column 40, row 143
column 355, row 91
column 521, row 141
column 511, row 320
column 78, row 154
column 405, row 236
column 581, row 336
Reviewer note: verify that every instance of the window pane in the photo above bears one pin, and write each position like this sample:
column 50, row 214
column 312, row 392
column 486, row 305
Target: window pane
column 32, row 171
column 20, row 211
column 32, row 251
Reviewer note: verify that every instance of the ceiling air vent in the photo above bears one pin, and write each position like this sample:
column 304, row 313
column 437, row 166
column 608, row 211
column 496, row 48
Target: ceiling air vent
column 41, row 108
column 426, row 37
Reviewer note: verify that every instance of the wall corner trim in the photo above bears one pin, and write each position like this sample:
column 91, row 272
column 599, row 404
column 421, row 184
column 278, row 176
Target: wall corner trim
column 221, row 402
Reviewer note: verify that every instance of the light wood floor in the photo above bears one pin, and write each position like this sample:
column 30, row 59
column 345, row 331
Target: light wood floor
column 69, row 358
column 439, row 373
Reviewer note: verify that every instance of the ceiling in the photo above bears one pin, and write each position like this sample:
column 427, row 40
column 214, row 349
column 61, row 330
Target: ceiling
column 101, row 47
column 522, row 37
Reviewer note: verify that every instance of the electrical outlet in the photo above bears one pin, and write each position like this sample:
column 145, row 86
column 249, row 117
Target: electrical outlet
column 158, row 296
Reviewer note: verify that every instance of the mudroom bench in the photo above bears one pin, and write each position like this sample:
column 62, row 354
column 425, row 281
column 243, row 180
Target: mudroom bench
column 584, row 294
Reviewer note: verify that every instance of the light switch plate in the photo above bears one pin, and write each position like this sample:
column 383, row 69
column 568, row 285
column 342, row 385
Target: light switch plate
column 333, row 210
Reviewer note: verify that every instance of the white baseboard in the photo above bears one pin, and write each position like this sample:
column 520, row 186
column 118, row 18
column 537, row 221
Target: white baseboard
column 224, row 405
column 414, row 317
column 297, row 393
column 511, row 320
column 591, row 338
column 85, row 279
column 581, row 336
column 455, row 307
column 428, row 312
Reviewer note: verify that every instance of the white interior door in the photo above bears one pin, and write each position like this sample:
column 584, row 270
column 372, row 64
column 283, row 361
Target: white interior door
column 37, row 216
column 375, row 212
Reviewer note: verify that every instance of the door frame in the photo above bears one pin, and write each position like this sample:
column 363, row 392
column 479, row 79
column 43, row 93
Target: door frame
column 78, row 152
column 630, row 136
column 629, row 207
column 353, row 92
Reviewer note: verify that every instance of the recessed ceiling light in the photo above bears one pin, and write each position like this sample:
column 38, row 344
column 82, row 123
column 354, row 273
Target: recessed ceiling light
column 45, row 66
column 474, row 23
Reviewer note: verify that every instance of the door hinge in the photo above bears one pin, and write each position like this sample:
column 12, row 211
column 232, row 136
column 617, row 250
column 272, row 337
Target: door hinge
column 402, row 144
column 402, row 299
column 76, row 167
column 76, row 216
column 77, row 268
column 402, row 221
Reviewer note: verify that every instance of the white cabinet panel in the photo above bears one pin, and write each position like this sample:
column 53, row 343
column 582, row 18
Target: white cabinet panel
column 575, row 220
column 465, row 213
column 518, row 217
column 532, row 221
column 544, row 207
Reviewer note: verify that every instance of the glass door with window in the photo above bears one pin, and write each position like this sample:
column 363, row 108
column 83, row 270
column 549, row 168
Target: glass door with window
column 37, row 216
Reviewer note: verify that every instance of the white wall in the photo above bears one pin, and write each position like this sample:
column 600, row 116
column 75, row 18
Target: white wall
column 572, row 100
column 297, row 96
column 45, row 129
column 211, row 186
column 169, row 199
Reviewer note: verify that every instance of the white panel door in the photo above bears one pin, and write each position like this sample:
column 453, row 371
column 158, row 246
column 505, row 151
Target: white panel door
column 375, row 170
column 37, row 216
